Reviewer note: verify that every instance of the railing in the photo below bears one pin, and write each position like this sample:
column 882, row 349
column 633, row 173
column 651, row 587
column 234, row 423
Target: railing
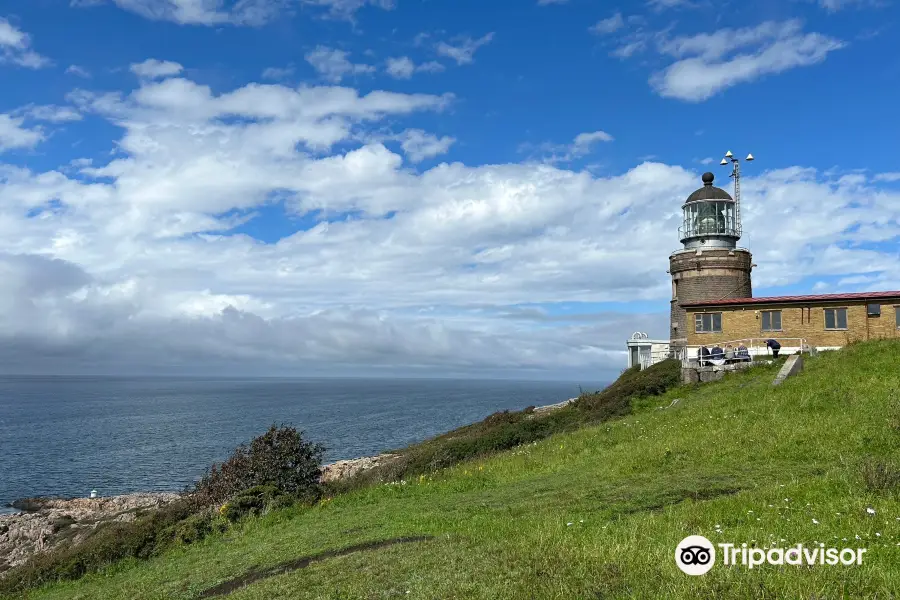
column 690, row 355
column 686, row 231
column 647, row 359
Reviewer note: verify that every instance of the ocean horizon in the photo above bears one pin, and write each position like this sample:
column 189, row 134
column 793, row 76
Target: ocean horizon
column 65, row 435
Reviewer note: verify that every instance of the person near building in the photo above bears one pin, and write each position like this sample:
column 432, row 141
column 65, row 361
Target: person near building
column 774, row 346
column 742, row 353
column 729, row 354
column 704, row 356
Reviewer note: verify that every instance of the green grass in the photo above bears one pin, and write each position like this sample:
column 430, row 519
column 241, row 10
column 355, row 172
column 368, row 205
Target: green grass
column 597, row 513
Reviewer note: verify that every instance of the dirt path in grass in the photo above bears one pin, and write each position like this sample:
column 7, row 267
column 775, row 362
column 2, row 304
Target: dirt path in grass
column 253, row 576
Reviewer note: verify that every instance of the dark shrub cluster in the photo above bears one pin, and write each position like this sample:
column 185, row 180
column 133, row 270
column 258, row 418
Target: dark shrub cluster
column 107, row 544
column 255, row 501
column 280, row 458
column 274, row 470
column 633, row 383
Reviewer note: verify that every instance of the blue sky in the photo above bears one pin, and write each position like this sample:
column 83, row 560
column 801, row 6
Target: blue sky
column 417, row 186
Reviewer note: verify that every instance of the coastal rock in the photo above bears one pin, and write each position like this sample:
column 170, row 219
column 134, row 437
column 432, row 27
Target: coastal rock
column 45, row 523
column 348, row 468
column 542, row 410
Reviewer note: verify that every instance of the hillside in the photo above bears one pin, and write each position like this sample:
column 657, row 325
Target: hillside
column 596, row 512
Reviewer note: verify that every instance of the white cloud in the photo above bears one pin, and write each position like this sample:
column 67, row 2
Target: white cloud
column 463, row 48
column 15, row 48
column 333, row 65
column 345, row 9
column 403, row 67
column 609, row 25
column 50, row 113
column 710, row 63
column 836, row 5
column 14, row 135
column 78, row 71
column 586, row 140
column 400, row 68
column 278, row 73
column 236, row 12
column 581, row 146
column 419, row 145
column 660, row 5
column 136, row 260
column 888, row 177
column 153, row 69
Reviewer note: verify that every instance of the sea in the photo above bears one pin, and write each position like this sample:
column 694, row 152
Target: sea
column 66, row 436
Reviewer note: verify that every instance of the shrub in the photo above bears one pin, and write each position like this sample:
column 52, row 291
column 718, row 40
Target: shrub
column 108, row 543
column 281, row 458
column 192, row 530
column 632, row 384
column 255, row 501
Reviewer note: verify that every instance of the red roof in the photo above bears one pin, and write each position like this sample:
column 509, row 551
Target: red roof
column 786, row 299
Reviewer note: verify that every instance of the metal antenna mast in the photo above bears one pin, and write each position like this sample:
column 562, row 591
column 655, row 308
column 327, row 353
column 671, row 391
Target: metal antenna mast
column 736, row 174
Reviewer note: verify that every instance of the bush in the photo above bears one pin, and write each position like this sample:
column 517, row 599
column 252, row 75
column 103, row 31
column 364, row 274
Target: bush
column 634, row 383
column 280, row 458
column 273, row 471
column 255, row 501
column 192, row 530
column 108, row 543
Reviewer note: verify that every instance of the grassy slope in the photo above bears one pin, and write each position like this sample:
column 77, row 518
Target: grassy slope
column 759, row 462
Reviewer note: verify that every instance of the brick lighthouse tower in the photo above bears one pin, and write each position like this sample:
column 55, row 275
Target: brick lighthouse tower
column 710, row 266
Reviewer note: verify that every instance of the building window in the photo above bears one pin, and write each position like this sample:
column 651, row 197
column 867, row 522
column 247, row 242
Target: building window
column 708, row 322
column 835, row 318
column 897, row 311
column 873, row 310
column 771, row 320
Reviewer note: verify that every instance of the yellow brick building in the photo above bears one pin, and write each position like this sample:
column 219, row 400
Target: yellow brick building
column 822, row 321
column 712, row 293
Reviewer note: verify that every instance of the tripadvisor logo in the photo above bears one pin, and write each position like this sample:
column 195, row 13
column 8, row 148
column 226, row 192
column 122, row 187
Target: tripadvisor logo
column 696, row 555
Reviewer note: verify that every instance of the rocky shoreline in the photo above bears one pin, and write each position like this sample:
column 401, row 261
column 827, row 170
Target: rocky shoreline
column 45, row 523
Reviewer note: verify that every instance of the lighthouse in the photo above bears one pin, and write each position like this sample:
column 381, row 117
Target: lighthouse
column 709, row 266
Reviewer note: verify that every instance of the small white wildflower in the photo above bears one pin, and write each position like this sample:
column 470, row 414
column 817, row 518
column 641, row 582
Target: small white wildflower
column 568, row 524
column 815, row 522
column 877, row 534
column 857, row 537
column 870, row 510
